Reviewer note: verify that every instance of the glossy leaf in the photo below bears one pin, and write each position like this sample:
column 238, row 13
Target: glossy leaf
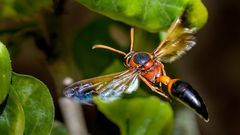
column 197, row 14
column 151, row 15
column 37, row 104
column 21, row 9
column 139, row 115
column 12, row 120
column 5, row 72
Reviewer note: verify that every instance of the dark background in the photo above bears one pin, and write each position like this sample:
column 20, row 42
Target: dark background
column 213, row 66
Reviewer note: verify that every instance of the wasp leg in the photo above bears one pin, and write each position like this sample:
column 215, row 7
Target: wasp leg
column 160, row 87
column 163, row 69
column 154, row 89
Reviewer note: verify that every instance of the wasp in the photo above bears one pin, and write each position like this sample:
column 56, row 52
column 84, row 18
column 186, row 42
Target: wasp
column 147, row 67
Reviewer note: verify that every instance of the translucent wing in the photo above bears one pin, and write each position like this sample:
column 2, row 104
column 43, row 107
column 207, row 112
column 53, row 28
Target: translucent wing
column 108, row 87
column 177, row 41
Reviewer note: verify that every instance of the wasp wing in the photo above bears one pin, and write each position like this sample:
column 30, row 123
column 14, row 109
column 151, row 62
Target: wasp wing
column 108, row 87
column 178, row 40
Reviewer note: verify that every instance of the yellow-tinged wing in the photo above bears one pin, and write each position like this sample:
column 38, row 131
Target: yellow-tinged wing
column 178, row 40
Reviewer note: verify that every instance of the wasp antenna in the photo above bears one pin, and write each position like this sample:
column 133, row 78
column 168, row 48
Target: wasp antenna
column 109, row 48
column 132, row 39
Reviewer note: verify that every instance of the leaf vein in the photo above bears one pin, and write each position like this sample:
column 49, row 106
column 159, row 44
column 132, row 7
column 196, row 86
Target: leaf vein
column 114, row 5
column 164, row 12
column 7, row 121
column 145, row 9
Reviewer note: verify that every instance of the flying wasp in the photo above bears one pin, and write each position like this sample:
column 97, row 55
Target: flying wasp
column 148, row 67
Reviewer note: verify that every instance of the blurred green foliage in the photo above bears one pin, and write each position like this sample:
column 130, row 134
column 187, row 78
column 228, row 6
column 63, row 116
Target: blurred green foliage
column 21, row 10
column 96, row 32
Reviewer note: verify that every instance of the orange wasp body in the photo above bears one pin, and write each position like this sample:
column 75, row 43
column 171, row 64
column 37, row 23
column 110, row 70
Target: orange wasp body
column 147, row 67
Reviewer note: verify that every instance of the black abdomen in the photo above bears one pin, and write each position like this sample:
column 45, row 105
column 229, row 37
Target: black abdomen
column 186, row 94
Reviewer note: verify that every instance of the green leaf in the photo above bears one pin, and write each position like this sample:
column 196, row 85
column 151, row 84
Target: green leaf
column 139, row 115
column 22, row 9
column 197, row 14
column 12, row 120
column 185, row 121
column 59, row 129
column 5, row 72
column 115, row 66
column 151, row 15
column 37, row 104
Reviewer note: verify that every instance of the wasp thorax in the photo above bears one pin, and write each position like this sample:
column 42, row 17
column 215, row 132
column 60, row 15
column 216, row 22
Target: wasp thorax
column 137, row 59
column 141, row 58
